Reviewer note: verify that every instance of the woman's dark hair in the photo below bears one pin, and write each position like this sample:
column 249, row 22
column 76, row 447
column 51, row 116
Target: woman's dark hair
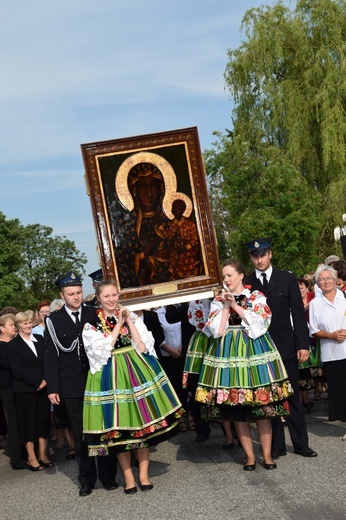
column 9, row 310
column 103, row 284
column 236, row 264
column 339, row 265
column 303, row 280
column 342, row 274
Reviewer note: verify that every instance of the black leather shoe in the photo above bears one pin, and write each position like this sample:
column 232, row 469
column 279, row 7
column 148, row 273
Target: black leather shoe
column 269, row 466
column 278, row 453
column 109, row 485
column 130, row 491
column 85, row 490
column 306, row 452
column 146, row 487
column 249, row 467
column 202, row 437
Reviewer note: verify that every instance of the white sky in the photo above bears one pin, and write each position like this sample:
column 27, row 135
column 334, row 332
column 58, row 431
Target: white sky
column 76, row 71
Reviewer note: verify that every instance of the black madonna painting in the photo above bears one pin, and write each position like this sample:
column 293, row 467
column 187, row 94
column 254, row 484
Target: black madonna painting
column 152, row 215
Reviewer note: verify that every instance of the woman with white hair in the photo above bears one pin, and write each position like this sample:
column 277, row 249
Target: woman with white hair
column 328, row 323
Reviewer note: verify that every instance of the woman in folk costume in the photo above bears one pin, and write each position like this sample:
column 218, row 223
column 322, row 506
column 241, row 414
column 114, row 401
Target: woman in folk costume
column 243, row 377
column 129, row 402
column 198, row 315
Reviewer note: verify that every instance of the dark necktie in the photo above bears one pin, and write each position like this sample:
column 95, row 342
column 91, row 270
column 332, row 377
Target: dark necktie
column 264, row 280
column 81, row 352
column 76, row 315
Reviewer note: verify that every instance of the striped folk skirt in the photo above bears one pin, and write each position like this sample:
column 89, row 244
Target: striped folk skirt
column 129, row 404
column 196, row 350
column 241, row 371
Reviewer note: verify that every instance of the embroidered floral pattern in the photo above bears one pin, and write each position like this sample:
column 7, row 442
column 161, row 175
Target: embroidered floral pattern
column 185, row 378
column 107, row 324
column 136, row 446
column 110, row 435
column 198, row 313
column 256, row 310
column 94, row 451
column 150, row 429
column 179, row 413
column 245, row 396
column 274, row 410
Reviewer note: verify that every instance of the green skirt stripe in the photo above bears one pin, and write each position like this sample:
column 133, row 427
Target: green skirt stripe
column 237, row 361
column 196, row 350
column 237, row 368
column 129, row 404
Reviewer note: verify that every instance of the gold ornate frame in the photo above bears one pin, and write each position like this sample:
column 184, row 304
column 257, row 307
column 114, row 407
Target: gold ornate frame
column 177, row 156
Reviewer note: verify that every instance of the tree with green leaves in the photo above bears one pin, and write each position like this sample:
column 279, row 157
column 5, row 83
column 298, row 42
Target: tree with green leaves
column 31, row 259
column 263, row 194
column 286, row 155
column 45, row 257
column 11, row 285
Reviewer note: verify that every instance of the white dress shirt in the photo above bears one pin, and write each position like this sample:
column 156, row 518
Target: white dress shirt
column 329, row 317
column 73, row 318
column 172, row 331
column 30, row 343
column 268, row 272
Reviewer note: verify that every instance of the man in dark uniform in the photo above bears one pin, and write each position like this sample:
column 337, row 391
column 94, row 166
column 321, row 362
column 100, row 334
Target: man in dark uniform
column 289, row 331
column 96, row 277
column 66, row 369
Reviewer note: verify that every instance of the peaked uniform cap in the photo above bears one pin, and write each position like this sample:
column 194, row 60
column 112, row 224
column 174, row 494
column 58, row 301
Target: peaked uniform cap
column 68, row 279
column 96, row 276
column 258, row 246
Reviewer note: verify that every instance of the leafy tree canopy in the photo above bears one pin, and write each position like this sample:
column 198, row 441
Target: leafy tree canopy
column 263, row 194
column 31, row 259
column 281, row 171
column 10, row 260
column 288, row 80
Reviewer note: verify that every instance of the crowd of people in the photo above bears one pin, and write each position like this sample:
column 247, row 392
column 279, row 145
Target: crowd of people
column 111, row 383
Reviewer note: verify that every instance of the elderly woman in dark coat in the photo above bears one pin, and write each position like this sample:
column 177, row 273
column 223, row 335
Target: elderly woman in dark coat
column 8, row 332
column 25, row 353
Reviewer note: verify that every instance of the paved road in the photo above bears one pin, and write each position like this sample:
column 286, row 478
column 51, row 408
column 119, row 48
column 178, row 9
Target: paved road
column 194, row 482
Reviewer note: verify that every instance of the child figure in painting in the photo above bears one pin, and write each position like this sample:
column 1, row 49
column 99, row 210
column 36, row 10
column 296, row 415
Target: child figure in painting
column 185, row 258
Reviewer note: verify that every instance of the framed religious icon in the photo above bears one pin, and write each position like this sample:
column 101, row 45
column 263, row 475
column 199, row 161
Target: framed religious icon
column 152, row 217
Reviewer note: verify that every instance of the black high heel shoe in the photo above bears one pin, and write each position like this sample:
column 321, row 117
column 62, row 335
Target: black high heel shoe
column 34, row 468
column 48, row 464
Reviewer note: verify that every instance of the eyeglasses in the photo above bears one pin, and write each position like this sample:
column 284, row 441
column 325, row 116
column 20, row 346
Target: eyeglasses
column 323, row 280
column 43, row 312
